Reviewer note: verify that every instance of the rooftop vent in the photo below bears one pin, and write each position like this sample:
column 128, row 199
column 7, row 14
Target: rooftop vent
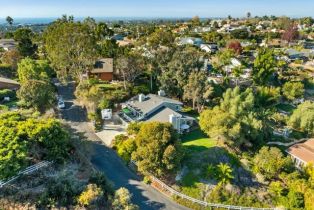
column 141, row 97
column 161, row 93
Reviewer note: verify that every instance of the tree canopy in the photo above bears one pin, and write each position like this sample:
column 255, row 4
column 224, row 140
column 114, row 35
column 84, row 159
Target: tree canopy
column 71, row 47
column 177, row 71
column 267, row 96
column 293, row 90
column 264, row 66
column 270, row 161
column 24, row 37
column 158, row 149
column 25, row 139
column 161, row 38
column 234, row 120
column 303, row 118
column 36, row 91
column 197, row 89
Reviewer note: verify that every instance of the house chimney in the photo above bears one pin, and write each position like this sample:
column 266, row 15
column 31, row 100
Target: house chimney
column 161, row 93
column 141, row 97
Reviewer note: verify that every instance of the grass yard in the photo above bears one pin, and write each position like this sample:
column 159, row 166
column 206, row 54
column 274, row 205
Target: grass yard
column 200, row 152
column 197, row 141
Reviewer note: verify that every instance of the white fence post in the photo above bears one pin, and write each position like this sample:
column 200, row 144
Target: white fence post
column 26, row 171
column 203, row 203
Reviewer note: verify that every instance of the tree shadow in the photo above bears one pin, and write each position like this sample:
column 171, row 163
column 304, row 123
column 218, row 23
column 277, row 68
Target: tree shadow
column 68, row 104
column 106, row 160
column 67, row 91
column 190, row 149
column 74, row 114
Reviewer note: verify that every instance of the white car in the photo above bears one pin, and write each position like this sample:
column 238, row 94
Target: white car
column 61, row 104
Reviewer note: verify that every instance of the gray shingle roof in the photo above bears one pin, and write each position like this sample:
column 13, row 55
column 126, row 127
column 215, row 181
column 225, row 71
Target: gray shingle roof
column 163, row 114
column 150, row 103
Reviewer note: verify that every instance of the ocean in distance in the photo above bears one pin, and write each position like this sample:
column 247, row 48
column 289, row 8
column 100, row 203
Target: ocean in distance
column 48, row 20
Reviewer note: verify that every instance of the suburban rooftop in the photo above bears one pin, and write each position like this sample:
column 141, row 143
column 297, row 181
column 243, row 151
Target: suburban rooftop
column 303, row 151
column 150, row 102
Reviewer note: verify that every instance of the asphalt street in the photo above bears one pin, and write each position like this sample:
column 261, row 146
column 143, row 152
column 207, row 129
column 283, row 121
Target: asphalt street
column 106, row 160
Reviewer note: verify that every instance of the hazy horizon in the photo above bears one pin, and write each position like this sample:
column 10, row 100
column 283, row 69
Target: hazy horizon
column 46, row 20
column 21, row 9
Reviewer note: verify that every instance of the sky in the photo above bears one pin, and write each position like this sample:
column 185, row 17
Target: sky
column 154, row 8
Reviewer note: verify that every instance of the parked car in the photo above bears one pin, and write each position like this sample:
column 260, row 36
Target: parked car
column 61, row 104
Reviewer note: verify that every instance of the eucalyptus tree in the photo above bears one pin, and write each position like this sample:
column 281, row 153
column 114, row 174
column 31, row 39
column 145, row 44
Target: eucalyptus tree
column 71, row 47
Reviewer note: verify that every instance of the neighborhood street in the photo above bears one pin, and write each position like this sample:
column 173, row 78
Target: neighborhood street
column 106, row 160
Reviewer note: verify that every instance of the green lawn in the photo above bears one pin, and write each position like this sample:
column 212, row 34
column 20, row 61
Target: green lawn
column 197, row 141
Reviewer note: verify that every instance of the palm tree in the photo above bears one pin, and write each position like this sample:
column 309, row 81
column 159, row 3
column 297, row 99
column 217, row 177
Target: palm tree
column 224, row 173
column 9, row 20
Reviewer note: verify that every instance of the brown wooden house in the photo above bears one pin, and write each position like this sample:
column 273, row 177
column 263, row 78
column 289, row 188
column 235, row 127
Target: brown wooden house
column 103, row 69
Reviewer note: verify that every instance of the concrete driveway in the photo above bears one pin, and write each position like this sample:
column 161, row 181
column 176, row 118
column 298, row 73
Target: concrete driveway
column 109, row 133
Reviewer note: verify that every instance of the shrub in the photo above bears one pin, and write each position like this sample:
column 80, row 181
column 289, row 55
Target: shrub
column 49, row 137
column 105, row 104
column 144, row 89
column 22, row 139
column 90, row 195
column 147, row 180
column 93, row 81
column 118, row 140
column 133, row 128
column 7, row 71
column 293, row 90
column 60, row 191
column 101, row 180
column 122, row 200
column 303, row 117
column 4, row 108
column 126, row 148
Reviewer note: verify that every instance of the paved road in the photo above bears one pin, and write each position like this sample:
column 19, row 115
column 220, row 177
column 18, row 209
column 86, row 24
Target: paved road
column 106, row 160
